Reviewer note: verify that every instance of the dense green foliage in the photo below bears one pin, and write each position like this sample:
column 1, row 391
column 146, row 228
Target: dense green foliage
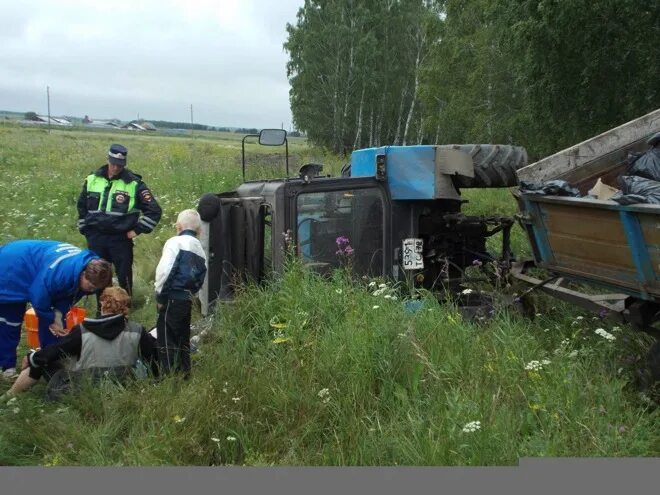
column 544, row 75
column 316, row 371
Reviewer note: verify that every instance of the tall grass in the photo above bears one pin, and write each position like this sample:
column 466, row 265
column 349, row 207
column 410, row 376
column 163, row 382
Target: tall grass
column 308, row 370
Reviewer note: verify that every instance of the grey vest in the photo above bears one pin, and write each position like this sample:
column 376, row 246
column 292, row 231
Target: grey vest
column 96, row 352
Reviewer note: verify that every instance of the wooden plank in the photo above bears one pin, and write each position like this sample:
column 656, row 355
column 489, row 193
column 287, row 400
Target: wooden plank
column 586, row 223
column 580, row 252
column 587, row 151
column 651, row 229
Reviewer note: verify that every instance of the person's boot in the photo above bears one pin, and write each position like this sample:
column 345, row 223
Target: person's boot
column 8, row 373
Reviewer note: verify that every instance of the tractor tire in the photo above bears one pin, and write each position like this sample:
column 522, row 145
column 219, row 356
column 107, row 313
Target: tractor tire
column 495, row 165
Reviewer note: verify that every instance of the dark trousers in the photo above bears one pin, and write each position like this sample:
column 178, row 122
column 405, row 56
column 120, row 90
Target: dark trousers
column 173, row 336
column 11, row 321
column 118, row 250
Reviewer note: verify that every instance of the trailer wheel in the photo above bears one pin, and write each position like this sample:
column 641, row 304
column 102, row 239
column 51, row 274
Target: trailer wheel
column 495, row 165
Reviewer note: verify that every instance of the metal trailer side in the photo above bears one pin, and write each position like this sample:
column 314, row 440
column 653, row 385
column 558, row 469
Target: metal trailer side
column 601, row 243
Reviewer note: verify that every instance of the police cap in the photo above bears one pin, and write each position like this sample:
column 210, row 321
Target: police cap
column 117, row 155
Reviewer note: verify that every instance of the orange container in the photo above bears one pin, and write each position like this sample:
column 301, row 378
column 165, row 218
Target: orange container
column 74, row 317
column 32, row 328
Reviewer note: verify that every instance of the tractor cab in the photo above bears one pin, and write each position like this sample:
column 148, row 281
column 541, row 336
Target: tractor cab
column 394, row 211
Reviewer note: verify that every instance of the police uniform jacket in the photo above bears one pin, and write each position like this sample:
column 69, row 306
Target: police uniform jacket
column 113, row 206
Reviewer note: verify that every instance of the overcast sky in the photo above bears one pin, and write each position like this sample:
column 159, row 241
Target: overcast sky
column 121, row 58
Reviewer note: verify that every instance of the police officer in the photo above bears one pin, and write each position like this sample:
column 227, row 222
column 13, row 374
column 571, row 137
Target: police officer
column 114, row 207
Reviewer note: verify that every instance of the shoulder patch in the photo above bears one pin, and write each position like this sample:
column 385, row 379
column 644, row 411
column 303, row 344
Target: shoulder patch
column 146, row 196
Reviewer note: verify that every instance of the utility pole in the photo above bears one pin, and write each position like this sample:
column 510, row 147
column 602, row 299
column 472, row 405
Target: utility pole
column 192, row 124
column 48, row 100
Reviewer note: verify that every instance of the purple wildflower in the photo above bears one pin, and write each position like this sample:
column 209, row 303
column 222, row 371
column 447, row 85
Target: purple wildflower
column 344, row 245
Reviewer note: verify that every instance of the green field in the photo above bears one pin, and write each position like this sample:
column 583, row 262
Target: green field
column 309, row 370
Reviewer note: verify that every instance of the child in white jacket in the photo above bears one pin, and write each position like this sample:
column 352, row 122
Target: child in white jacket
column 179, row 276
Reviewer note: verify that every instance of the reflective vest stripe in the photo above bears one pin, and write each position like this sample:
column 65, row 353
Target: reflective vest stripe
column 99, row 185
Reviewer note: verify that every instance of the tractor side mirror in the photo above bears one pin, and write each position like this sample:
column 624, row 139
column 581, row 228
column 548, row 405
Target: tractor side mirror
column 272, row 137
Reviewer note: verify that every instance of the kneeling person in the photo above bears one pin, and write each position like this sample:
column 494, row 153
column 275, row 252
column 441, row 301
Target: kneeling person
column 108, row 342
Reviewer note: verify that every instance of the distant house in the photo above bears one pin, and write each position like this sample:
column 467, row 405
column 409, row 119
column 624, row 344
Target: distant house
column 43, row 119
column 148, row 126
column 133, row 126
column 102, row 123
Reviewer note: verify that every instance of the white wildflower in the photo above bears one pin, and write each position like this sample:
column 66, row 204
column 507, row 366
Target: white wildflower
column 616, row 329
column 579, row 317
column 573, row 354
column 324, row 395
column 235, row 399
column 467, row 291
column 606, row 335
column 536, row 365
column 372, row 284
column 231, row 438
column 382, row 286
column 214, row 439
column 472, row 426
column 388, row 296
column 11, row 401
column 338, row 291
column 17, row 410
column 375, row 307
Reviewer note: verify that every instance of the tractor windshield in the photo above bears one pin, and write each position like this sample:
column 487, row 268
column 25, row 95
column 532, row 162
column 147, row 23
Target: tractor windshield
column 335, row 228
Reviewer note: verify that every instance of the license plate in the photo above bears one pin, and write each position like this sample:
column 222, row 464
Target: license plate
column 412, row 254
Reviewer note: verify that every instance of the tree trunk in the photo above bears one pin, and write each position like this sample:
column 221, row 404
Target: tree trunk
column 421, row 41
column 371, row 128
column 414, row 99
column 400, row 117
column 335, row 113
column 420, row 131
column 358, row 132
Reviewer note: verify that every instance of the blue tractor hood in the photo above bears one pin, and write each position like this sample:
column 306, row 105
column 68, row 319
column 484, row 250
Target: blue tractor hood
column 414, row 172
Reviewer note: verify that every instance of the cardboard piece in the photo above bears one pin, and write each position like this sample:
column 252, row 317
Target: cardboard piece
column 602, row 190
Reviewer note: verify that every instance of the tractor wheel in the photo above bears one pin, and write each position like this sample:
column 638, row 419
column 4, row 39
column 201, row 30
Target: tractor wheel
column 495, row 165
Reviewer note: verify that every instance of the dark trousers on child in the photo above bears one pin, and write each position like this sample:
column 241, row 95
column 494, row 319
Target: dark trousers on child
column 173, row 336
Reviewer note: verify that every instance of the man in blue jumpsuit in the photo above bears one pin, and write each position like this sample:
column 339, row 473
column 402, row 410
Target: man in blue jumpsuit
column 51, row 275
